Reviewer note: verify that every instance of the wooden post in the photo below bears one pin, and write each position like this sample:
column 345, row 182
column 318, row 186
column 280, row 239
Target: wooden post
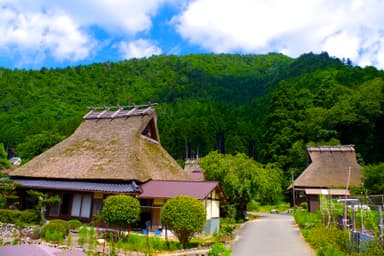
column 353, row 219
column 381, row 223
column 148, row 228
column 345, row 221
column 293, row 190
column 166, row 237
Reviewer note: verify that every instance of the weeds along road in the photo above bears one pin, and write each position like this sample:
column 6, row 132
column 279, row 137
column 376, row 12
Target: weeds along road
column 270, row 235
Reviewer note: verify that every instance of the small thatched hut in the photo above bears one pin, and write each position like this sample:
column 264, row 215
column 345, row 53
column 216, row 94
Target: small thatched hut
column 332, row 170
column 112, row 151
column 193, row 169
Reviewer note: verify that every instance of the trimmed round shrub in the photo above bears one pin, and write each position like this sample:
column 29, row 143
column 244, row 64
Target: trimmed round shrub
column 74, row 224
column 54, row 232
column 121, row 210
column 184, row 216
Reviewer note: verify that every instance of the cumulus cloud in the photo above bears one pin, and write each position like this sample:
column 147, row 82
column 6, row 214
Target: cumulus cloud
column 139, row 48
column 34, row 29
column 71, row 31
column 34, row 33
column 115, row 16
column 344, row 28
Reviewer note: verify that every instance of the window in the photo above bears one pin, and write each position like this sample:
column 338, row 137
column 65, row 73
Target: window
column 66, row 201
column 81, row 205
column 54, row 209
column 97, row 207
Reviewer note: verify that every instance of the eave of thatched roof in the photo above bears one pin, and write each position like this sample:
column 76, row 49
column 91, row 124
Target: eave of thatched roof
column 330, row 167
column 107, row 147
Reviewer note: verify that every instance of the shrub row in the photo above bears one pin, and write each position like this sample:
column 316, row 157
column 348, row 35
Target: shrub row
column 24, row 218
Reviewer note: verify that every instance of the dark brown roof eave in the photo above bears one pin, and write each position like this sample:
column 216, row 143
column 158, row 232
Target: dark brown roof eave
column 117, row 181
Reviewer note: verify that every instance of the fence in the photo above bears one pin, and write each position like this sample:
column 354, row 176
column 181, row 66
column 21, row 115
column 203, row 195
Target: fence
column 362, row 215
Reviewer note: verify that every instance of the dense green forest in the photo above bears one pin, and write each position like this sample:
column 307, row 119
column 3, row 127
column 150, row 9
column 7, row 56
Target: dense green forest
column 267, row 106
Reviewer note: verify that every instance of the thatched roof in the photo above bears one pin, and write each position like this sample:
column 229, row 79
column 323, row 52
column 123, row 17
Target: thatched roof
column 120, row 144
column 193, row 169
column 329, row 167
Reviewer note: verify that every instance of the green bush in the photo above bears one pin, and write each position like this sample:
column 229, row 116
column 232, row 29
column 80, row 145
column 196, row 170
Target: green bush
column 327, row 250
column 305, row 219
column 121, row 210
column 26, row 217
column 253, row 206
column 92, row 237
column 30, row 216
column 74, row 224
column 61, row 222
column 219, row 249
column 83, row 234
column 326, row 240
column 184, row 216
column 139, row 243
column 304, row 205
column 54, row 236
column 54, row 231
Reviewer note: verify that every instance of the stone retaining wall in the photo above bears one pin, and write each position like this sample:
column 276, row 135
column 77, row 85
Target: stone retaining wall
column 10, row 234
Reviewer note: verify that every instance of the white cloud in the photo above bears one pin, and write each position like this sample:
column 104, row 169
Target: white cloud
column 33, row 33
column 138, row 49
column 342, row 45
column 344, row 28
column 63, row 28
column 116, row 16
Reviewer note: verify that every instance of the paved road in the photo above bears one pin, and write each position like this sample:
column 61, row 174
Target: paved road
column 272, row 235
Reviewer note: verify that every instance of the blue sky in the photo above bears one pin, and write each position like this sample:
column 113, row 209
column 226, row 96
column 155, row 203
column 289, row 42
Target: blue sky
column 55, row 33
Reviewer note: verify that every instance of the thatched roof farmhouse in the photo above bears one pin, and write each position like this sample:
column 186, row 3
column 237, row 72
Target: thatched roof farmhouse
column 113, row 151
column 332, row 170
column 111, row 144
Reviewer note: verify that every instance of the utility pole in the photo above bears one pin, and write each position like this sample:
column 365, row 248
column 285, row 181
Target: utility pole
column 293, row 189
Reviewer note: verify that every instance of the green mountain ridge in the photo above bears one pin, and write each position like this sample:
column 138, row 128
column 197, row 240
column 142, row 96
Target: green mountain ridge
column 267, row 106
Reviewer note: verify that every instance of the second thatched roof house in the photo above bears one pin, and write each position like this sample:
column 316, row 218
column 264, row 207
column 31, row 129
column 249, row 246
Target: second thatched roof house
column 332, row 170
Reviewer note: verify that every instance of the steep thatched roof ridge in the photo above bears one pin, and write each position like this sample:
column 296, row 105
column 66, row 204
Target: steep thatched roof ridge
column 120, row 148
column 119, row 111
column 330, row 167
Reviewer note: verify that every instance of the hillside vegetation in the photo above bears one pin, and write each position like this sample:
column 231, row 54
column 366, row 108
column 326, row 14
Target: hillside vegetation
column 267, row 106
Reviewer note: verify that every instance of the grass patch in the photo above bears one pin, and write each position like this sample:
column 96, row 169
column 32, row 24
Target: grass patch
column 255, row 206
column 146, row 244
column 329, row 239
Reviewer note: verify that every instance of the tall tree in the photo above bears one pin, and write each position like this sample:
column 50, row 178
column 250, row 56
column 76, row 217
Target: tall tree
column 4, row 162
column 243, row 179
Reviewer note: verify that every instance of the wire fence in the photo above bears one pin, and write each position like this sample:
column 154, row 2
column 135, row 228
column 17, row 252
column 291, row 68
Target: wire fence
column 362, row 215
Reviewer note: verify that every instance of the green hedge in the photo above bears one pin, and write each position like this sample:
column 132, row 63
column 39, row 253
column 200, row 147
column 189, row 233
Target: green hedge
column 74, row 224
column 26, row 217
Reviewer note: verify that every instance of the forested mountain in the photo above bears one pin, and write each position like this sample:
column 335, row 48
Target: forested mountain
column 268, row 106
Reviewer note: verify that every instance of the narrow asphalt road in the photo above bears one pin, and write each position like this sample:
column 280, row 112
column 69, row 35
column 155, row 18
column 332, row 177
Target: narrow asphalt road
column 272, row 235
